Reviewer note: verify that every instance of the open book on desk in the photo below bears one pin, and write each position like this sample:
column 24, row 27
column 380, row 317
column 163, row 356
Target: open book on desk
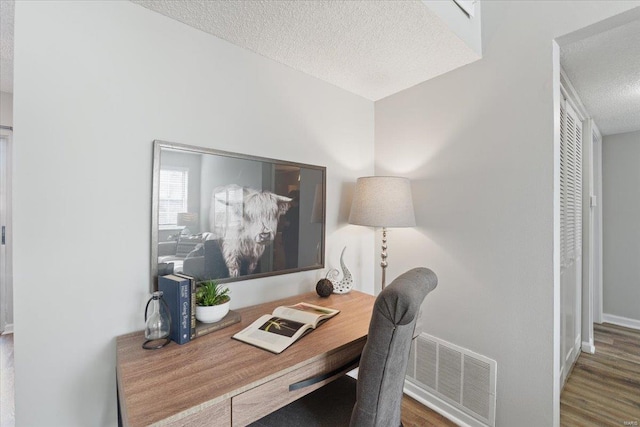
column 284, row 326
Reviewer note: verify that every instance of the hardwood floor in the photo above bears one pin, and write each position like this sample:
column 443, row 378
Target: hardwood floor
column 6, row 381
column 604, row 388
column 415, row 414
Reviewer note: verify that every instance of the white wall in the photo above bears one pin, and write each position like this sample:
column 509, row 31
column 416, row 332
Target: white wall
column 478, row 144
column 621, row 225
column 6, row 109
column 95, row 84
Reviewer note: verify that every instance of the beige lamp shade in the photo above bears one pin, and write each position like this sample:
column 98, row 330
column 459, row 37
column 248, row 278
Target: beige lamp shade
column 382, row 201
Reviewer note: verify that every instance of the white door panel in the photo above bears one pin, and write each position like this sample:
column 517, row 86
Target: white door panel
column 570, row 237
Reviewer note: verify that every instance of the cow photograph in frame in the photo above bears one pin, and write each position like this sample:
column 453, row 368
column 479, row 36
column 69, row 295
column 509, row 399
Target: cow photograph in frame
column 229, row 217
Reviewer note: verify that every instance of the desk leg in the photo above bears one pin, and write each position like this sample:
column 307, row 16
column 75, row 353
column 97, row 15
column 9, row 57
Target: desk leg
column 118, row 402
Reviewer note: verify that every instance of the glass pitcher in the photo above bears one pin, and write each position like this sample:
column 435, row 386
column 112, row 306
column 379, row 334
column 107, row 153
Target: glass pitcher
column 157, row 322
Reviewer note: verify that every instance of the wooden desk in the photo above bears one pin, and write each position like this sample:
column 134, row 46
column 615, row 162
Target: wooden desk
column 218, row 381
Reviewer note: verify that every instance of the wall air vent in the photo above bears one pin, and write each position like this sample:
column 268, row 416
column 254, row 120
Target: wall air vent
column 453, row 380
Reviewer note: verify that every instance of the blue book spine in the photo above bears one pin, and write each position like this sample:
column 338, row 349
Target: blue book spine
column 176, row 292
column 192, row 309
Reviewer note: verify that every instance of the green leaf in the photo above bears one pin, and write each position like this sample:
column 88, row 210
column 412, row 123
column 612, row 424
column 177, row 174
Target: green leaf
column 211, row 293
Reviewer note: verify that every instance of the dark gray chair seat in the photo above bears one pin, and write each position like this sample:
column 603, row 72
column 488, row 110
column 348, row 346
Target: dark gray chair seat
column 375, row 399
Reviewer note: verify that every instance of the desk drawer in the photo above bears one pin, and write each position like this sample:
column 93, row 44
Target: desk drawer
column 266, row 398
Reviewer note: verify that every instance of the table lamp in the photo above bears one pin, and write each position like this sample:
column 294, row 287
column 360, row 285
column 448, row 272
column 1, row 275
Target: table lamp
column 382, row 201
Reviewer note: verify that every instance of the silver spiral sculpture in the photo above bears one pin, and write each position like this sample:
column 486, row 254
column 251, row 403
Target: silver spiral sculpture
column 344, row 285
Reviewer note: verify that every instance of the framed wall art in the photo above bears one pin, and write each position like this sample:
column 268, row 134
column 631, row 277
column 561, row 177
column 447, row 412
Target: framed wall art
column 227, row 216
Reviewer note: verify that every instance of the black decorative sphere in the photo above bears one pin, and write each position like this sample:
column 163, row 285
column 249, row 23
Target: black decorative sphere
column 324, row 288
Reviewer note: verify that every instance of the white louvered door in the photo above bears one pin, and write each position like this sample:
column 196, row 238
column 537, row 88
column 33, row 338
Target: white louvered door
column 570, row 235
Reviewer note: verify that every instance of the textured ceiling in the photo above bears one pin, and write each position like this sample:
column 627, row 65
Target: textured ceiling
column 371, row 48
column 376, row 48
column 6, row 46
column 605, row 71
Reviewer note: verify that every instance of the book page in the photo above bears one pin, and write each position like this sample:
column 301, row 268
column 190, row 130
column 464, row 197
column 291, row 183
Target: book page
column 272, row 333
column 305, row 313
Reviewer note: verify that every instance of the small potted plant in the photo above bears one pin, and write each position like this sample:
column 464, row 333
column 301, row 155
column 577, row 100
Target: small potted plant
column 212, row 302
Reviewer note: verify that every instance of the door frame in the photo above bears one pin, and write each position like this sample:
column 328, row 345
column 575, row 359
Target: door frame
column 589, row 202
column 597, row 248
column 6, row 273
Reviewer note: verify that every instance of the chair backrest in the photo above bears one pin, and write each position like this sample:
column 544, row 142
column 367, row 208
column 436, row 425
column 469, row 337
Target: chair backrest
column 385, row 355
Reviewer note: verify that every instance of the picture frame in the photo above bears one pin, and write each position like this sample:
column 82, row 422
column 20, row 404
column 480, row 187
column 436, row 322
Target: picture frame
column 231, row 217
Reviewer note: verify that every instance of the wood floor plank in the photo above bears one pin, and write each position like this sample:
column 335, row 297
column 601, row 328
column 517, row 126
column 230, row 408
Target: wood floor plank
column 625, row 381
column 590, row 390
column 604, row 388
column 614, row 363
column 415, row 414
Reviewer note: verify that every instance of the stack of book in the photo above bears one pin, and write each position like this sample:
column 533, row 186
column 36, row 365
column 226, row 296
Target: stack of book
column 179, row 292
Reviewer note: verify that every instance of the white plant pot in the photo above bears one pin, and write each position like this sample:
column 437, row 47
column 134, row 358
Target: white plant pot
column 213, row 313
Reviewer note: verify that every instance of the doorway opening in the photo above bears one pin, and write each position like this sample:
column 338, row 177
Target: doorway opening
column 602, row 90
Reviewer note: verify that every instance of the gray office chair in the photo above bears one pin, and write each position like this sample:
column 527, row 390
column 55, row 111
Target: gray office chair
column 378, row 392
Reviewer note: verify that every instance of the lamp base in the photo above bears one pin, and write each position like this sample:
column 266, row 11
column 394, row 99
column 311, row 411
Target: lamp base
column 383, row 255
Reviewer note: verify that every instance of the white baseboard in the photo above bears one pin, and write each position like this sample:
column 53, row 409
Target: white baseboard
column 588, row 347
column 572, row 356
column 8, row 329
column 577, row 346
column 441, row 407
column 621, row 321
